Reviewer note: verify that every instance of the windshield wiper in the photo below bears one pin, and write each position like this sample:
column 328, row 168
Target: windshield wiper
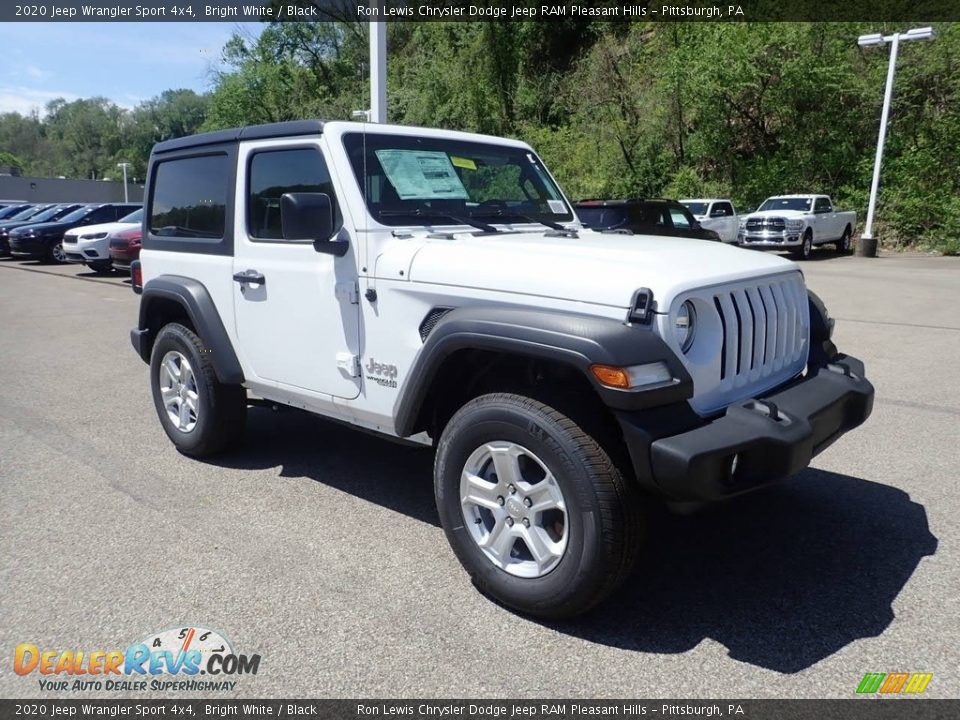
column 509, row 213
column 438, row 215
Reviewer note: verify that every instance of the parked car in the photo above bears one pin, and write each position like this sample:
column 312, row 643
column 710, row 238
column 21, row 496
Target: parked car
column 38, row 214
column 642, row 217
column 717, row 214
column 44, row 241
column 8, row 211
column 125, row 247
column 90, row 245
column 797, row 223
column 436, row 286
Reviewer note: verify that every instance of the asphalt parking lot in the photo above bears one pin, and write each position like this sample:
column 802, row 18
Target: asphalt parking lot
column 319, row 548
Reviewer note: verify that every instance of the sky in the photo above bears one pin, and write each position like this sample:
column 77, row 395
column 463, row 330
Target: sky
column 125, row 62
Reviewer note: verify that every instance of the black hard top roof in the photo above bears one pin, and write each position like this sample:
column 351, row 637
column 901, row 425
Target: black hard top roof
column 251, row 132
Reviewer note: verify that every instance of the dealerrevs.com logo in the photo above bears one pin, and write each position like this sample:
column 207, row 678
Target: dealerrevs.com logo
column 173, row 659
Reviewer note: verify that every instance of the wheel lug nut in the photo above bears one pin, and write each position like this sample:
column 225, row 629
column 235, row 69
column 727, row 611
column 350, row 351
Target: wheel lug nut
column 512, row 489
column 526, row 522
column 509, row 522
column 528, row 502
column 500, row 500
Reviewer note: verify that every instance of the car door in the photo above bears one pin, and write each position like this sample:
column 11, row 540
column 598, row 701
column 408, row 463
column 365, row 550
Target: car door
column 296, row 310
column 711, row 220
column 683, row 223
column 726, row 220
column 821, row 220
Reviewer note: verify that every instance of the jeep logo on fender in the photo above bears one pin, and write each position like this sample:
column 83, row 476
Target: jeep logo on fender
column 381, row 373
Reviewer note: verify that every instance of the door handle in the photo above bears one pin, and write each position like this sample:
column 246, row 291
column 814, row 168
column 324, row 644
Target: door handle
column 250, row 276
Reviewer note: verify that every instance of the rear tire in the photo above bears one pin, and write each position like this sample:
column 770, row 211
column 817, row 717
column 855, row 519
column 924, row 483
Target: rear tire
column 200, row 415
column 843, row 244
column 555, row 527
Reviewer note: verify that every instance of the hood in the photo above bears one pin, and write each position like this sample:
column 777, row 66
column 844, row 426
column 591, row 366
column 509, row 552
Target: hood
column 598, row 268
column 44, row 227
column 100, row 228
column 778, row 213
column 13, row 225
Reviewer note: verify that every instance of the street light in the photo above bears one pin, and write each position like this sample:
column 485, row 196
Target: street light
column 868, row 244
column 124, row 165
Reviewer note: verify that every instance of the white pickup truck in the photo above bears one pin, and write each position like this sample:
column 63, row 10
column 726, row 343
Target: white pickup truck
column 717, row 214
column 797, row 223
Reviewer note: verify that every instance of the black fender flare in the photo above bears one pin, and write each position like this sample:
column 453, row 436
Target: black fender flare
column 196, row 301
column 574, row 339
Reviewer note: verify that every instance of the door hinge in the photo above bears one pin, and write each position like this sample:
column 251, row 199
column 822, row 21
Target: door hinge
column 347, row 291
column 349, row 363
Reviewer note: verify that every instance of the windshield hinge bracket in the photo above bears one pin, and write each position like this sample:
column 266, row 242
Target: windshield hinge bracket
column 347, row 291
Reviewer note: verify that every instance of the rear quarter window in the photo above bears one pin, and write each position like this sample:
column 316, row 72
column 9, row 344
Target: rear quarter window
column 189, row 197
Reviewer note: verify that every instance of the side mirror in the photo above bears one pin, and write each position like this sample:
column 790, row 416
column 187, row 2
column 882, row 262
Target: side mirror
column 309, row 216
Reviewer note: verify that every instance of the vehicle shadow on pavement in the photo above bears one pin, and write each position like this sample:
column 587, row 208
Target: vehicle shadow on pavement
column 783, row 578
column 390, row 474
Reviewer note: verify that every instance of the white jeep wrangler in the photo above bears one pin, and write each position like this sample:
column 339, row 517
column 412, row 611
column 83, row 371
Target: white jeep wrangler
column 436, row 286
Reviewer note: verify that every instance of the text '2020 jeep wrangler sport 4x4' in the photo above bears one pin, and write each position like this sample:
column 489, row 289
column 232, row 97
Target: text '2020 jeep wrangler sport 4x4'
column 437, row 286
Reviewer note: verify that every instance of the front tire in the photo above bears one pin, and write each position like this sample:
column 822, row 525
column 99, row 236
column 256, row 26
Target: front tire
column 101, row 267
column 200, row 415
column 57, row 255
column 534, row 508
column 806, row 246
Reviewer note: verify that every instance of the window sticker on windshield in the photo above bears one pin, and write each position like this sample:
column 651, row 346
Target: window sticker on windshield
column 422, row 175
column 465, row 163
column 557, row 207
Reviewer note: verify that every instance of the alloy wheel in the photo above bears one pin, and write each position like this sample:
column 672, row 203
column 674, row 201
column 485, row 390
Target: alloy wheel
column 514, row 509
column 178, row 391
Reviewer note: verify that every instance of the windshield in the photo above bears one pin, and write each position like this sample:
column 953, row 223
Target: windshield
column 697, row 208
column 9, row 212
column 135, row 217
column 54, row 213
column 785, row 203
column 437, row 181
column 79, row 214
column 29, row 212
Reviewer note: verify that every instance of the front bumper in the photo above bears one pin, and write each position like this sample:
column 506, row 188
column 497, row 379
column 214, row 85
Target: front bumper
column 70, row 251
column 768, row 238
column 29, row 247
column 754, row 442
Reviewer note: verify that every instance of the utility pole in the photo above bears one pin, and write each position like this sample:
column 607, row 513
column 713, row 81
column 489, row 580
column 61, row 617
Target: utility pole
column 124, row 165
column 868, row 243
column 378, row 69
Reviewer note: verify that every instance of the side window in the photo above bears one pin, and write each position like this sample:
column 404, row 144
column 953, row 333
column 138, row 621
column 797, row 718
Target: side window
column 822, row 205
column 655, row 215
column 679, row 219
column 275, row 172
column 102, row 215
column 723, row 209
column 190, row 197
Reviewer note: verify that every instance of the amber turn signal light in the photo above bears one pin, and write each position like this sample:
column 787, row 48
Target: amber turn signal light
column 611, row 376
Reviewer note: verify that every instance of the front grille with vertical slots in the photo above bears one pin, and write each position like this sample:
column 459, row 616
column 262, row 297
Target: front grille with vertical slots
column 764, row 329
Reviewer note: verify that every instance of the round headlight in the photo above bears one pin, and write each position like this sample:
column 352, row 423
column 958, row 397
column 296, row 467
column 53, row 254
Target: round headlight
column 685, row 325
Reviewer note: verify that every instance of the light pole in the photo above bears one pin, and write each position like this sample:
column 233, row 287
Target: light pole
column 868, row 243
column 124, row 165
